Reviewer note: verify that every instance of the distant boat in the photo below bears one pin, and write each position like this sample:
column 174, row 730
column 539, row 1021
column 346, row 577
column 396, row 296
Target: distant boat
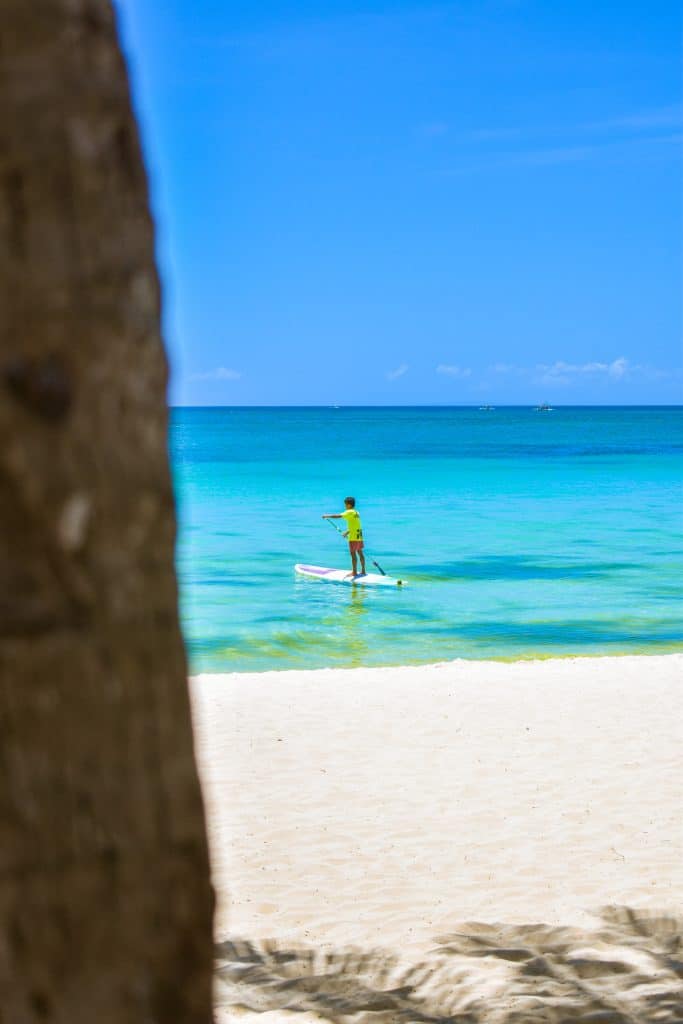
column 543, row 407
column 487, row 408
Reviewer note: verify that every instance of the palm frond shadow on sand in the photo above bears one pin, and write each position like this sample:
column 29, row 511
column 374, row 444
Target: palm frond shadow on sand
column 628, row 970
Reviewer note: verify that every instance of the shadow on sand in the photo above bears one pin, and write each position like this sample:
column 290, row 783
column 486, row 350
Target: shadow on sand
column 628, row 970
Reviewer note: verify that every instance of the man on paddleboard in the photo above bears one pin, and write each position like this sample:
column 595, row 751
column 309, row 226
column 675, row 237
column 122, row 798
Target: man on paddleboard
column 354, row 532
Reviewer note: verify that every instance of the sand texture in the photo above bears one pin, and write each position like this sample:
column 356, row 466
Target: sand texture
column 435, row 843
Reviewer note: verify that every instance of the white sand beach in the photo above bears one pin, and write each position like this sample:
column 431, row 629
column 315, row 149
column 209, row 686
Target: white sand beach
column 382, row 807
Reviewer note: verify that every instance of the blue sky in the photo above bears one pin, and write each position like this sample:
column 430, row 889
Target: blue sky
column 407, row 203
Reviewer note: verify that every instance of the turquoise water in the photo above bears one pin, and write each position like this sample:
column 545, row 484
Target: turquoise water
column 521, row 534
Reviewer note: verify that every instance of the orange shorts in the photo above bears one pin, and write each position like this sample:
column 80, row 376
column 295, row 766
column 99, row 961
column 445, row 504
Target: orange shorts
column 355, row 545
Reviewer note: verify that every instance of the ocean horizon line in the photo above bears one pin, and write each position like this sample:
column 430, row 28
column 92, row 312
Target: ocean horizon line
column 439, row 405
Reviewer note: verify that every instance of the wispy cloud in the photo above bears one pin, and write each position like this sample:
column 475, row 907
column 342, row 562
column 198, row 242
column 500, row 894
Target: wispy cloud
column 670, row 116
column 557, row 143
column 617, row 368
column 633, row 122
column 562, row 372
column 453, row 371
column 508, row 368
column 327, row 32
column 548, row 157
column 434, row 128
column 220, row 373
column 493, row 134
column 619, row 148
column 400, row 371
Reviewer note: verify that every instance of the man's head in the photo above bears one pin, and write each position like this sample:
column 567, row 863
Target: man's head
column 350, row 502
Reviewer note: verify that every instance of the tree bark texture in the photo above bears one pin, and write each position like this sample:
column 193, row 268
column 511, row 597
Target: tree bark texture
column 105, row 898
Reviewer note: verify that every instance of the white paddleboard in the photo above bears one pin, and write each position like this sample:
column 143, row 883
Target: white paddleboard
column 370, row 579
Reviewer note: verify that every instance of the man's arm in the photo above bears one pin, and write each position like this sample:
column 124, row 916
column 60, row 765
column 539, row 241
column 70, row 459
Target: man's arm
column 335, row 515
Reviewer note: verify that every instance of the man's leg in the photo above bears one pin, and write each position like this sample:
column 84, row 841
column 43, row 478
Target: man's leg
column 354, row 569
column 362, row 562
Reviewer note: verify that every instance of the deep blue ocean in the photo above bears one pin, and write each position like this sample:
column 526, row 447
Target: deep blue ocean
column 520, row 533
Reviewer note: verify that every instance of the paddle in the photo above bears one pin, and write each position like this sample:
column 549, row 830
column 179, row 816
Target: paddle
column 341, row 534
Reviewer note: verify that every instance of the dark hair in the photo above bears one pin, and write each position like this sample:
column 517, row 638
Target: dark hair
column 350, row 501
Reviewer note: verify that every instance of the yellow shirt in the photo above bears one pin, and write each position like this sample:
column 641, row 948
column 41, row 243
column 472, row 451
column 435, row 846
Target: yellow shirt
column 353, row 524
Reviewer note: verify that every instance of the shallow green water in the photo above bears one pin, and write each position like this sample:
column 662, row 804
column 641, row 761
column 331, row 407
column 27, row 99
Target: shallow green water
column 521, row 534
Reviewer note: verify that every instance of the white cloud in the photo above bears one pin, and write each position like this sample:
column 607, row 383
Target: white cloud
column 508, row 368
column 398, row 372
column 563, row 372
column 619, row 367
column 453, row 371
column 220, row 373
column 554, row 378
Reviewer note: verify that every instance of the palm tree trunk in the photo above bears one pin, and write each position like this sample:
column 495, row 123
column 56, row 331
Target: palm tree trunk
column 105, row 899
